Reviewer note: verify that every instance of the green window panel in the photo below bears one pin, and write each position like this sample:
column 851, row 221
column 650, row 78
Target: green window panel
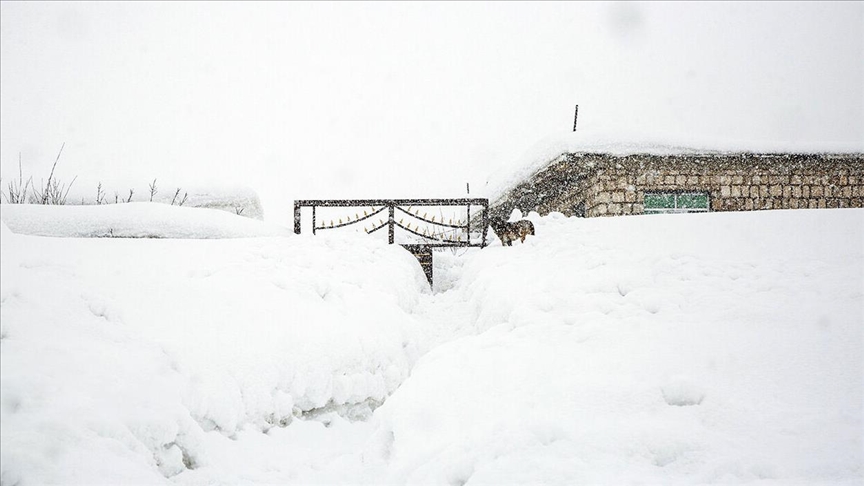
column 676, row 202
column 693, row 201
column 659, row 201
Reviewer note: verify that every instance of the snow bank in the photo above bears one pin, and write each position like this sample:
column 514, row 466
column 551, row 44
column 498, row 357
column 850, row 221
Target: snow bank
column 127, row 361
column 714, row 348
column 622, row 143
column 132, row 220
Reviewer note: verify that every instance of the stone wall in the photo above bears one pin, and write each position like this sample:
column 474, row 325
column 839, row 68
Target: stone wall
column 604, row 185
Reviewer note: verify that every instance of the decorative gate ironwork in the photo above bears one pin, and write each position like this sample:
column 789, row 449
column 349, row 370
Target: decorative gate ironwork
column 443, row 233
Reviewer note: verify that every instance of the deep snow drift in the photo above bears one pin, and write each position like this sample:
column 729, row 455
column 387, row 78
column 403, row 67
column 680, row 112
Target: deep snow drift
column 711, row 348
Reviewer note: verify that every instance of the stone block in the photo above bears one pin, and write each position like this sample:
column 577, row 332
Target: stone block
column 725, row 191
column 736, row 191
column 817, row 191
column 775, row 191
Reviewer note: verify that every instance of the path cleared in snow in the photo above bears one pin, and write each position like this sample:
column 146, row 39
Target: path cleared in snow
column 713, row 348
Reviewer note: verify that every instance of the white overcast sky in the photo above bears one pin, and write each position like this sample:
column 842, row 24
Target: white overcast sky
column 402, row 99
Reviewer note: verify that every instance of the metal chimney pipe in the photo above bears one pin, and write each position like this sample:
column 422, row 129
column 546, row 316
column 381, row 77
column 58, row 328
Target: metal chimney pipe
column 575, row 117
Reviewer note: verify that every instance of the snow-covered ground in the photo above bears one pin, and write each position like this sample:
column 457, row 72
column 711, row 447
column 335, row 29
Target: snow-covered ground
column 672, row 349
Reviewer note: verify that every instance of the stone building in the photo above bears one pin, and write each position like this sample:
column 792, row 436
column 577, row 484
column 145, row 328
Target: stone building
column 600, row 184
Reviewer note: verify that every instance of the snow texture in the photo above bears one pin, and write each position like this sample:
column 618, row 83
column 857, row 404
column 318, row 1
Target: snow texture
column 719, row 348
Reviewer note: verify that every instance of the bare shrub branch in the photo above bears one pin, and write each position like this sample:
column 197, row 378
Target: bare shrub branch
column 100, row 194
column 17, row 192
column 46, row 192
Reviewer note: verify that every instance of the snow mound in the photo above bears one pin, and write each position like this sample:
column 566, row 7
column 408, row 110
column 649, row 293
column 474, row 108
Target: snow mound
column 132, row 220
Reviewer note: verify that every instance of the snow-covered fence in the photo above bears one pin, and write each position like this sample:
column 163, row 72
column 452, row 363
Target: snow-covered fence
column 431, row 233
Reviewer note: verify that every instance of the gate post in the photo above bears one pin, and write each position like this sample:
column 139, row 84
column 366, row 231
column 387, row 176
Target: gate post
column 296, row 218
column 423, row 254
column 485, row 220
column 392, row 222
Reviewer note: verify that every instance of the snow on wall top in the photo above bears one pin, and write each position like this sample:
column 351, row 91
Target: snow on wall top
column 132, row 220
column 618, row 143
column 232, row 199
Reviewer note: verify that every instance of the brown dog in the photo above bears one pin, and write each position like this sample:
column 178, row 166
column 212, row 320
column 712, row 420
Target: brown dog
column 507, row 232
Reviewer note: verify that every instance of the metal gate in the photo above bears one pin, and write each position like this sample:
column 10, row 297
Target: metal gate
column 427, row 232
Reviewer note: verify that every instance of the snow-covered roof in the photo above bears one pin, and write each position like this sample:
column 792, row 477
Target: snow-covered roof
column 624, row 143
